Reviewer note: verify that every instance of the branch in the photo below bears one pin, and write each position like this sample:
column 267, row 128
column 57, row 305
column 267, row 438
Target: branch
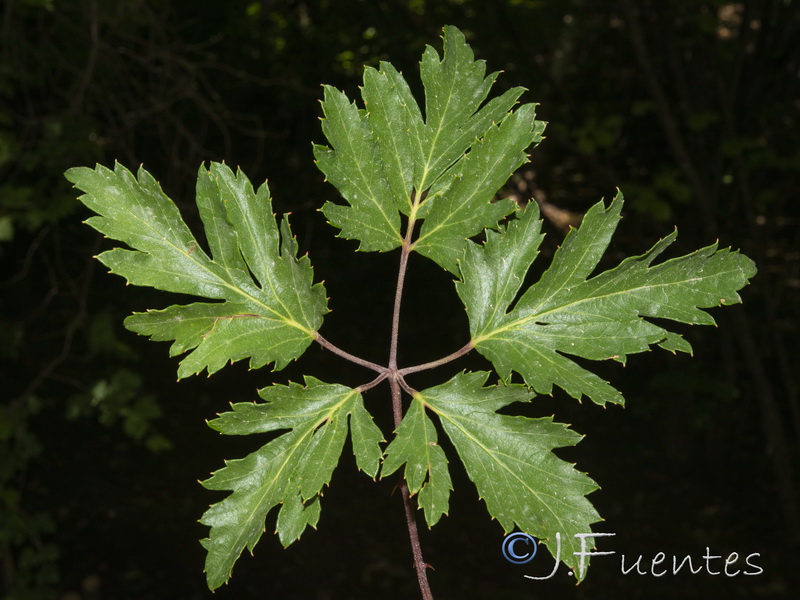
column 373, row 383
column 398, row 295
column 396, row 381
column 347, row 356
column 409, row 390
column 436, row 363
column 416, row 548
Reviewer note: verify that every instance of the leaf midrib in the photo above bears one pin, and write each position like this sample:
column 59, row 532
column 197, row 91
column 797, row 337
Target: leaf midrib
column 240, row 539
column 534, row 316
column 288, row 320
column 492, row 454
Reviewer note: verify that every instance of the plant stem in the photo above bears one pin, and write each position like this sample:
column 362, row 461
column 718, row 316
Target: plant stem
column 436, row 363
column 416, row 548
column 408, row 505
column 394, row 376
column 405, row 250
column 398, row 295
column 368, row 386
column 346, row 355
column 395, row 383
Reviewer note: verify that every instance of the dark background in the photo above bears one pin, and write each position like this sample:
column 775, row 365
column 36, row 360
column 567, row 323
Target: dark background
column 689, row 107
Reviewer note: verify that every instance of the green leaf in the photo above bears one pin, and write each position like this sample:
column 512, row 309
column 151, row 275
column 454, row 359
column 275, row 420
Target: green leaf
column 354, row 165
column 497, row 270
column 397, row 123
column 465, row 208
column 511, row 462
column 403, row 170
column 415, row 446
column 455, row 87
column 290, row 470
column 567, row 312
column 366, row 438
column 385, row 159
column 269, row 309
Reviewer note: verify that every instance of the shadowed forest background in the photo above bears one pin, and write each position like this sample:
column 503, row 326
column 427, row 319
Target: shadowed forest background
column 691, row 108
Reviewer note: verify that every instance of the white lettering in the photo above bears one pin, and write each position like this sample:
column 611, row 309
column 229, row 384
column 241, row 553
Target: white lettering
column 749, row 564
column 657, row 560
column 636, row 565
column 687, row 558
column 708, row 561
column 583, row 553
column 555, row 566
column 732, row 558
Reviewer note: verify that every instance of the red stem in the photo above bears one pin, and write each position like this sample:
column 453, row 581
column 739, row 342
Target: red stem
column 395, row 382
column 437, row 363
column 416, row 548
column 346, row 355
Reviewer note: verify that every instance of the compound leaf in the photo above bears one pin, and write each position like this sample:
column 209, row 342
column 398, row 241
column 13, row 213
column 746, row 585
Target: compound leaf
column 268, row 307
column 567, row 312
column 510, row 460
column 291, row 470
column 395, row 163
